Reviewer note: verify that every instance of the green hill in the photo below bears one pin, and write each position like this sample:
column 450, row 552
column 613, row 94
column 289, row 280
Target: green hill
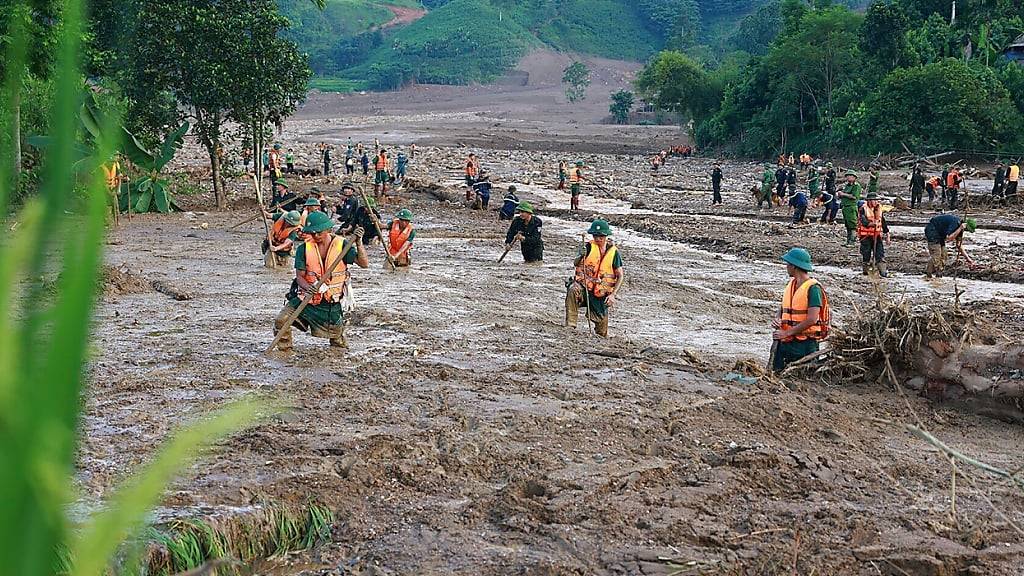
column 467, row 41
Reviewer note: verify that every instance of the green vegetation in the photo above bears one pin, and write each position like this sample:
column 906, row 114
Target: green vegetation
column 576, row 78
column 826, row 78
column 621, row 106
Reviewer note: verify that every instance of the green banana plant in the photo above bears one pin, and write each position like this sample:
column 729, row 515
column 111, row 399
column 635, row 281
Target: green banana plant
column 152, row 191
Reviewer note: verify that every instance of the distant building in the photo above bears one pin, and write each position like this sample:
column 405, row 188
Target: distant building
column 1015, row 51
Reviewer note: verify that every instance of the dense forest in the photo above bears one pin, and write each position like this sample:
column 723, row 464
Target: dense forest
column 823, row 76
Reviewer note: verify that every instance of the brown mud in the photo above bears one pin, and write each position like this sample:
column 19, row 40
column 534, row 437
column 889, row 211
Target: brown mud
column 467, row 431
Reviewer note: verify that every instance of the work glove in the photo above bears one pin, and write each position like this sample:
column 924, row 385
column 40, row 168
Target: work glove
column 323, row 288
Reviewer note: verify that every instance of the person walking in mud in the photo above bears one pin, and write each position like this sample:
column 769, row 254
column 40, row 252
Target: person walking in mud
column 526, row 227
column 953, row 183
column 401, row 234
column 873, row 233
column 381, row 166
column 472, row 170
column 766, row 187
column 848, row 198
column 940, row 230
column 563, row 173
column 804, row 319
column 325, row 157
column 323, row 316
column 916, row 187
column 830, row 179
column 599, row 277
column 575, row 181
column 283, row 234
column 1012, row 176
column 716, row 184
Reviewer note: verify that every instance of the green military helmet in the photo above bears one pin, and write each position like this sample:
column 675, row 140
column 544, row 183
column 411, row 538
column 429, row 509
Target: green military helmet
column 281, row 183
column 317, row 222
column 292, row 217
column 600, row 228
column 524, row 207
column 404, row 214
column 872, row 196
column 800, row 258
column 850, row 173
column 348, row 187
column 971, row 225
column 828, row 165
column 579, row 162
column 277, row 146
column 312, row 202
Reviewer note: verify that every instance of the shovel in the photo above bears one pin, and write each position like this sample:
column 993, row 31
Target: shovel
column 508, row 249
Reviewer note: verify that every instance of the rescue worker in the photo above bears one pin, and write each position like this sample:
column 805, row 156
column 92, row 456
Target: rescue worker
column 283, row 235
column 366, row 217
column 940, row 230
column 472, row 168
column 274, row 161
column 848, row 198
column 790, row 181
column 323, row 316
column 482, row 191
column 1012, row 175
column 798, row 203
column 945, row 179
column 872, row 231
column 831, row 204
column 931, row 185
column 282, row 198
column 716, row 184
column 781, row 176
column 953, row 182
column 599, row 276
column 112, row 173
column 563, row 173
column 509, row 204
column 916, row 186
column 830, row 179
column 999, row 180
column 381, row 178
column 526, row 228
column 814, row 183
column 346, row 211
column 325, row 157
column 364, row 161
column 804, row 319
column 575, row 178
column 289, row 161
column 400, row 165
column 401, row 234
column 766, row 187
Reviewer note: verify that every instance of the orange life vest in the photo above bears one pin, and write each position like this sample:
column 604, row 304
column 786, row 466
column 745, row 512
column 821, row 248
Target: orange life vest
column 935, row 181
column 1014, row 173
column 596, row 272
column 953, row 179
column 869, row 222
column 470, row 168
column 316, row 266
column 381, row 162
column 575, row 175
column 794, row 311
column 281, row 231
column 398, row 238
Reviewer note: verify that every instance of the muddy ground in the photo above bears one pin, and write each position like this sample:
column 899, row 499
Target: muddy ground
column 467, row 431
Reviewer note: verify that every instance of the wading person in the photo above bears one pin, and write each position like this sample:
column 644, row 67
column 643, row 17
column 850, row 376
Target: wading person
column 472, row 168
column 848, row 198
column 525, row 227
column 400, row 238
column 766, row 187
column 940, row 230
column 563, row 173
column 931, row 185
column 509, row 204
column 953, row 182
column 283, row 235
column 323, row 316
column 482, row 191
column 381, row 175
column 575, row 180
column 716, row 184
column 872, row 231
column 803, row 320
column 599, row 276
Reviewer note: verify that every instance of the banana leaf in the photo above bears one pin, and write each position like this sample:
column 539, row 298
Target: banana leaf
column 171, row 146
column 161, row 197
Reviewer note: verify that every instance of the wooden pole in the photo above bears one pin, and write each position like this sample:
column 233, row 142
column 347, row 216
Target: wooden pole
column 266, row 227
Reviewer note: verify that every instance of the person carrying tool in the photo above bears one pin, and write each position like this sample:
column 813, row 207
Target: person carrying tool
column 362, row 217
column 599, row 276
column 346, row 211
column 940, row 230
column 953, row 182
column 274, row 162
column 916, row 186
column 283, row 235
column 1012, row 176
column 323, row 316
column 509, row 204
column 848, row 198
column 526, row 228
column 575, row 180
column 716, row 184
column 873, row 232
column 873, row 180
column 400, row 237
column 381, row 177
column 804, row 319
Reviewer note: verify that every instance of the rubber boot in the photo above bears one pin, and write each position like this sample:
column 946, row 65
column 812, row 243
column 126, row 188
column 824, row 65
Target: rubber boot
column 572, row 308
column 285, row 343
column 882, row 271
column 867, row 268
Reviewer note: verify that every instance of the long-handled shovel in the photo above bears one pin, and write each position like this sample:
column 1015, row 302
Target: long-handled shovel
column 266, row 227
column 272, row 209
column 508, row 249
column 376, row 226
column 345, row 247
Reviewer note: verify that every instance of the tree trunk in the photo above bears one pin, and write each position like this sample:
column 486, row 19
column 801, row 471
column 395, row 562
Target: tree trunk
column 218, row 190
column 16, row 136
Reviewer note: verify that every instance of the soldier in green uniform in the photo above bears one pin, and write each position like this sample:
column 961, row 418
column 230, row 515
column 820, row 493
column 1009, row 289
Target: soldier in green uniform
column 599, row 276
column 813, row 185
column 767, row 179
column 848, row 198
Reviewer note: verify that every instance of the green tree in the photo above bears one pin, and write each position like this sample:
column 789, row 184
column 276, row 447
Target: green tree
column 883, row 34
column 218, row 61
column 576, row 77
column 757, row 30
column 621, row 106
column 673, row 81
column 939, row 106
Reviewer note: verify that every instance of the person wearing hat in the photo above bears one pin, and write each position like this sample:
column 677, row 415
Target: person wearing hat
column 813, row 183
column 999, row 180
column 848, row 199
column 283, row 198
column 873, row 180
column 1012, row 176
column 346, row 211
column 283, row 235
column 381, row 166
column 917, row 185
column 941, row 229
column 716, row 184
column 599, row 276
column 482, row 189
column 766, row 187
column 804, row 318
column 401, row 162
column 323, row 316
column 401, row 234
column 310, row 206
column 575, row 181
column 365, row 217
column 953, row 182
column 274, row 162
column 526, row 227
column 873, row 232
column 509, row 204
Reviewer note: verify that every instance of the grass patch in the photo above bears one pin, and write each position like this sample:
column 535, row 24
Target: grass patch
column 336, row 84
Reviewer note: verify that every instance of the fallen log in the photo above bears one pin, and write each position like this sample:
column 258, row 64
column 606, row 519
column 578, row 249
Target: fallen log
column 165, row 288
column 929, row 158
